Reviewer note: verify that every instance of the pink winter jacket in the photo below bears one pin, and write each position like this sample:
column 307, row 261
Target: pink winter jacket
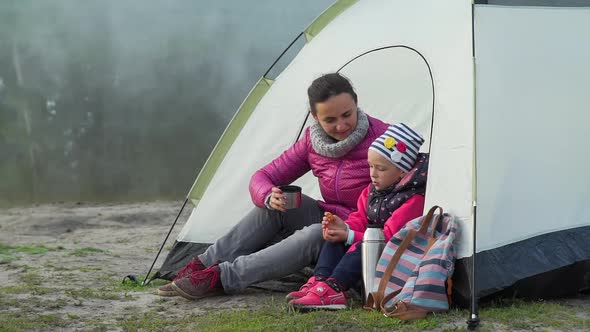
column 341, row 180
column 357, row 221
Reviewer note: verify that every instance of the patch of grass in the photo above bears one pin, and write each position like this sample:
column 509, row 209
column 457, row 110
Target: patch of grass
column 31, row 278
column 152, row 321
column 271, row 318
column 7, row 253
column 19, row 321
column 27, row 289
column 55, row 304
column 519, row 314
column 83, row 252
column 92, row 293
column 26, row 268
column 29, row 283
column 128, row 285
column 72, row 316
column 31, row 249
column 5, row 259
column 281, row 317
column 516, row 315
column 87, row 268
column 118, row 284
column 51, row 265
column 58, row 268
column 96, row 325
column 7, row 302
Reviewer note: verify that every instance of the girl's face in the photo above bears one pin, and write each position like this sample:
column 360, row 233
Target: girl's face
column 383, row 172
column 337, row 116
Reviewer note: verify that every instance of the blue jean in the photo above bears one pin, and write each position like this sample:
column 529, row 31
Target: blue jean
column 335, row 262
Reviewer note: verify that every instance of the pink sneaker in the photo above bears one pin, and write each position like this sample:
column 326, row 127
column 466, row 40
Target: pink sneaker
column 321, row 296
column 199, row 284
column 167, row 290
column 193, row 266
column 303, row 290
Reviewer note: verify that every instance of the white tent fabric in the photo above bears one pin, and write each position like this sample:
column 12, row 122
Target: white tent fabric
column 532, row 119
column 439, row 30
column 508, row 130
column 404, row 93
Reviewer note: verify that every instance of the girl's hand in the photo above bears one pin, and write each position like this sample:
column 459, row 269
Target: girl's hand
column 277, row 199
column 332, row 221
column 335, row 235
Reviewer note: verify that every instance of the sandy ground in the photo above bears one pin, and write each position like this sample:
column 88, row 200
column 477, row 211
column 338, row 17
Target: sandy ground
column 74, row 282
column 92, row 248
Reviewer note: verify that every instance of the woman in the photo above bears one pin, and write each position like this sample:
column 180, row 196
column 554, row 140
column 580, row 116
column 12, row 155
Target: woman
column 335, row 150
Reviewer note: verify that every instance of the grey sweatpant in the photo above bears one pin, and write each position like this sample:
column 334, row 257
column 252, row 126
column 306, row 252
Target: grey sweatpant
column 245, row 256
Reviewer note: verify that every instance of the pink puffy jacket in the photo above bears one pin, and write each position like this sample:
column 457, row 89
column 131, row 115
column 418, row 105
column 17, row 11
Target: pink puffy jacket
column 341, row 180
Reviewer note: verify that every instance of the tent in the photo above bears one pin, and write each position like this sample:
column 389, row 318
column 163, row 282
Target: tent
column 499, row 88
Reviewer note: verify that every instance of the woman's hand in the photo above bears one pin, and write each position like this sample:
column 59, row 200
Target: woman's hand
column 277, row 199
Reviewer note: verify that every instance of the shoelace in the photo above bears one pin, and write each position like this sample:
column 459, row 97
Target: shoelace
column 192, row 266
column 211, row 274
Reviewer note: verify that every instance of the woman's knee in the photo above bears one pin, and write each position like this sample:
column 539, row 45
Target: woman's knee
column 311, row 239
column 313, row 233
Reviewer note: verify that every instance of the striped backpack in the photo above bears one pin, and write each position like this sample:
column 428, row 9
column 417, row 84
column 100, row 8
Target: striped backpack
column 413, row 275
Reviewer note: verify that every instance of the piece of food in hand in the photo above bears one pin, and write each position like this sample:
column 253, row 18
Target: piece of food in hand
column 329, row 217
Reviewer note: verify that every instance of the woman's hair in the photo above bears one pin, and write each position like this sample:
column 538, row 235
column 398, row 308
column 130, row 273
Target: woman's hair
column 327, row 86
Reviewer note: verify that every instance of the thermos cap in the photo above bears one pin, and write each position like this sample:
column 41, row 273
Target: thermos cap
column 379, row 225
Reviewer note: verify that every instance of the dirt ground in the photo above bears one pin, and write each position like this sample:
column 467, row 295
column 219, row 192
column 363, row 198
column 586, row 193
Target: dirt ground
column 61, row 267
column 67, row 261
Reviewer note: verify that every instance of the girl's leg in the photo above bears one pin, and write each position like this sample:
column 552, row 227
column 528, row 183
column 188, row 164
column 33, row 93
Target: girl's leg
column 330, row 256
column 349, row 270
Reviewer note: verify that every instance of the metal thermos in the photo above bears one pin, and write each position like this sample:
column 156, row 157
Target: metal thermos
column 372, row 247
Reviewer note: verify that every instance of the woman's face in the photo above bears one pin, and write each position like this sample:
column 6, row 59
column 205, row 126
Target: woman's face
column 337, row 116
column 383, row 172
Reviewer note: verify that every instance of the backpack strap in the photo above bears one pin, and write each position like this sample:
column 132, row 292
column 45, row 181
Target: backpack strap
column 428, row 219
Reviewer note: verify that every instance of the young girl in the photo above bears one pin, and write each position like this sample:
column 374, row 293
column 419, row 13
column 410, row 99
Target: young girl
column 394, row 197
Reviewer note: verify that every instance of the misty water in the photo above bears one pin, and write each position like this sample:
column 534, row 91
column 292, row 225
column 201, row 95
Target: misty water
column 124, row 100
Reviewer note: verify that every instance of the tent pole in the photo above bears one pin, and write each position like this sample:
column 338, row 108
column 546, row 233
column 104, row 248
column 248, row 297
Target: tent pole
column 143, row 283
column 473, row 320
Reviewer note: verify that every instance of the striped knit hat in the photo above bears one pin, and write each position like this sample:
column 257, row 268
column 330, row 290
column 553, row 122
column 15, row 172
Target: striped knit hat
column 400, row 145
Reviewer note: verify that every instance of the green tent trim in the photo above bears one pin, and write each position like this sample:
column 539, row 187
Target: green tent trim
column 229, row 136
column 326, row 17
column 245, row 111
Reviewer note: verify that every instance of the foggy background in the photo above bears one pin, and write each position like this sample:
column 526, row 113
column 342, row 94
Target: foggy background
column 124, row 100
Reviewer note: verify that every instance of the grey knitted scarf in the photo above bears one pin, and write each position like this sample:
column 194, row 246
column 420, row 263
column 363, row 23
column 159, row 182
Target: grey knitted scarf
column 329, row 147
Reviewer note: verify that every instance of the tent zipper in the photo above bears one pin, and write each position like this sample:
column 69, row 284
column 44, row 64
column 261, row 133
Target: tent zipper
column 336, row 184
